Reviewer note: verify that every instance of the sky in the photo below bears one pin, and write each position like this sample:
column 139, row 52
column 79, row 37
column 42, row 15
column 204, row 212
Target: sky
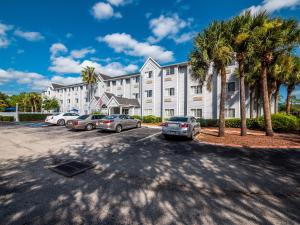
column 52, row 40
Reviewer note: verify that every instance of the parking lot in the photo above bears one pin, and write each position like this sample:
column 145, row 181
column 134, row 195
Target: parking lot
column 140, row 178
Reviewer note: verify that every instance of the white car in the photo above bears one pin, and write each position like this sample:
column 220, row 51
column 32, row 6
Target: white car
column 61, row 118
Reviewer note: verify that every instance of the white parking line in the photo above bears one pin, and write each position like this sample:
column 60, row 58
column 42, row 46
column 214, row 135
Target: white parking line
column 150, row 136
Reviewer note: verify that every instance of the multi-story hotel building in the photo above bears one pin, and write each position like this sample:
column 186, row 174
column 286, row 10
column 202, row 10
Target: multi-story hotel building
column 156, row 90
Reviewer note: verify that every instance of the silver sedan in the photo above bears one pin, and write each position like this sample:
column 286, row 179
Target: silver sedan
column 118, row 122
column 185, row 126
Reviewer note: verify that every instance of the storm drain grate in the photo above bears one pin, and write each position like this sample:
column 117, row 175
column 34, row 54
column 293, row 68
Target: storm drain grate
column 71, row 168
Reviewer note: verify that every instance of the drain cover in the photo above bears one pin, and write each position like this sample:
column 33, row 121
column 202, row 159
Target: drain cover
column 71, row 168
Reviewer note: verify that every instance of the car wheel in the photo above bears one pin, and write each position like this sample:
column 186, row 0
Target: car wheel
column 167, row 137
column 118, row 128
column 61, row 122
column 138, row 125
column 89, row 127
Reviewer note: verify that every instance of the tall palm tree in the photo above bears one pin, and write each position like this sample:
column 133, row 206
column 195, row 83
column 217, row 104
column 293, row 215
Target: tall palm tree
column 90, row 77
column 212, row 46
column 25, row 101
column 240, row 30
column 270, row 37
column 292, row 80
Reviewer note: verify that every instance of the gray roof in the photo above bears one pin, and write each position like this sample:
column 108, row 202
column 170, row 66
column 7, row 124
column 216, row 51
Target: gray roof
column 124, row 101
column 54, row 85
column 105, row 77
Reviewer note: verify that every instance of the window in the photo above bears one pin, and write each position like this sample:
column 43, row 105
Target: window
column 120, row 96
column 196, row 113
column 169, row 112
column 126, row 112
column 86, row 100
column 127, row 81
column 148, row 93
column 230, row 86
column 149, row 74
column 147, row 112
column 108, row 84
column 61, row 102
column 68, row 101
column 72, row 88
column 76, row 100
column 196, row 89
column 170, row 91
column 137, row 79
column 170, row 70
column 136, row 95
column 113, row 83
column 81, row 87
column 121, row 82
column 230, row 113
column 183, row 69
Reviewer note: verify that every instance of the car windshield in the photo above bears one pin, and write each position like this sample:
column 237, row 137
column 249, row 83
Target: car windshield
column 110, row 117
column 178, row 119
column 83, row 117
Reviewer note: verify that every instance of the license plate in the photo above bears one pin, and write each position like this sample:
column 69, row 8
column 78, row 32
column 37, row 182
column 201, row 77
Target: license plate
column 172, row 125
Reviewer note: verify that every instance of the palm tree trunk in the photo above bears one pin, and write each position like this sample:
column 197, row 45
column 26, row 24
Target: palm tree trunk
column 266, row 103
column 276, row 98
column 252, row 95
column 242, row 99
column 257, row 103
column 288, row 99
column 222, row 103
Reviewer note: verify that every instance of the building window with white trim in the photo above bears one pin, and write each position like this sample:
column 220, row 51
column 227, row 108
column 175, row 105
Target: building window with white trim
column 170, row 91
column 170, row 70
column 196, row 89
column 147, row 112
column 230, row 113
column 136, row 95
column 137, row 79
column 127, row 81
column 169, row 112
column 68, row 101
column 114, row 83
column 196, row 113
column 148, row 93
column 121, row 82
column 76, row 100
column 231, row 87
column 149, row 74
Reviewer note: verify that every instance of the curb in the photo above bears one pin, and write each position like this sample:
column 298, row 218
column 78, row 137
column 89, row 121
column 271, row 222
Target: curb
column 251, row 147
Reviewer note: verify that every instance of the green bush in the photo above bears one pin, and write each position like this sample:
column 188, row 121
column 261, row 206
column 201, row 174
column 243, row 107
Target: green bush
column 137, row 117
column 7, row 118
column 280, row 122
column 151, row 119
column 32, row 117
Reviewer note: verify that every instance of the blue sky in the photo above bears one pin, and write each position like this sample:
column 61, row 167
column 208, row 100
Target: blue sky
column 51, row 40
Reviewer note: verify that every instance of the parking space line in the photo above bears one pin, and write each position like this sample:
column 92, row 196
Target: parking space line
column 148, row 137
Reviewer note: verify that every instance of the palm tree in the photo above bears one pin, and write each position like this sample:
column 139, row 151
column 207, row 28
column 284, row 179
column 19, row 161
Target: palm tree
column 240, row 30
column 292, row 80
column 90, row 77
column 270, row 37
column 25, row 101
column 212, row 46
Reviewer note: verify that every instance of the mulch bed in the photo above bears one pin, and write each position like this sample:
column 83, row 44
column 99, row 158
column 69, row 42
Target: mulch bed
column 253, row 139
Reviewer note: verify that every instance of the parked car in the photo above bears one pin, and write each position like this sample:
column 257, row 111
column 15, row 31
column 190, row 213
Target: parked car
column 85, row 122
column 185, row 126
column 117, row 123
column 61, row 118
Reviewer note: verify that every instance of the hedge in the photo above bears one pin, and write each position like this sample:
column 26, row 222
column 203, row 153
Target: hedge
column 151, row 119
column 280, row 122
column 7, row 118
column 32, row 117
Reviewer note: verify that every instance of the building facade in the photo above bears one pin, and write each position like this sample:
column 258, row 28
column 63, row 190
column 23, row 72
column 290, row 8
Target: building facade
column 162, row 91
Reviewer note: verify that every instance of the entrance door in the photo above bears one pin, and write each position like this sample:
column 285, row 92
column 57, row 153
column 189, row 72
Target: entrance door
column 125, row 111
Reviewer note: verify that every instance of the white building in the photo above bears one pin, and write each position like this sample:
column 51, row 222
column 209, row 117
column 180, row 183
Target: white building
column 156, row 90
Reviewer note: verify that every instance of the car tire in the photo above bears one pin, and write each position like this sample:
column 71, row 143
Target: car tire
column 89, row 127
column 61, row 122
column 167, row 137
column 138, row 125
column 119, row 128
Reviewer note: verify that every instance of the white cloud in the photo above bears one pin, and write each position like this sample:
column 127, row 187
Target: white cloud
column 165, row 26
column 184, row 37
column 274, row 5
column 78, row 54
column 57, row 48
column 4, row 41
column 122, row 42
column 29, row 35
column 119, row 2
column 65, row 65
column 66, row 80
column 103, row 10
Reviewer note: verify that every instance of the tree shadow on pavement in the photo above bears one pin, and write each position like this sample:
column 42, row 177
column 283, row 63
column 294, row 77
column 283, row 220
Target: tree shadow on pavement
column 146, row 183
